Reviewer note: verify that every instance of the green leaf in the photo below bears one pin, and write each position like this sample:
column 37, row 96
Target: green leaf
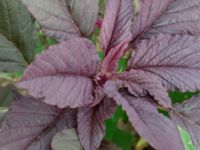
column 2, row 113
column 66, row 140
column 17, row 26
column 186, row 139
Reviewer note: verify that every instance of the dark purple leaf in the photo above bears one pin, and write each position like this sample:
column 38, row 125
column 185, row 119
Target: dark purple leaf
column 54, row 18
column 84, row 13
column 18, row 28
column 63, row 73
column 149, row 11
column 91, row 123
column 110, row 62
column 173, row 59
column 187, row 115
column 117, row 24
column 140, row 83
column 158, row 130
column 31, row 124
column 181, row 17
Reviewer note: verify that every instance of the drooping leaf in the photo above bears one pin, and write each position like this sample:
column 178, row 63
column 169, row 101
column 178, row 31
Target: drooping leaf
column 10, row 57
column 17, row 26
column 181, row 17
column 66, row 140
column 84, row 13
column 116, row 27
column 62, row 74
column 140, row 83
column 187, row 115
column 155, row 128
column 149, row 11
column 54, row 18
column 91, row 123
column 31, row 124
column 173, row 59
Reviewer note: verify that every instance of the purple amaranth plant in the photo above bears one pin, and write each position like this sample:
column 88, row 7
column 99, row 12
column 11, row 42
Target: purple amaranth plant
column 163, row 37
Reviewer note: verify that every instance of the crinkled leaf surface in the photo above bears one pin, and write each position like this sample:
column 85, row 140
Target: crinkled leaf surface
column 173, row 59
column 63, row 73
column 84, row 13
column 17, row 26
column 187, row 115
column 181, row 17
column 66, row 140
column 54, row 18
column 116, row 27
column 31, row 124
column 140, row 83
column 10, row 57
column 91, row 123
column 158, row 130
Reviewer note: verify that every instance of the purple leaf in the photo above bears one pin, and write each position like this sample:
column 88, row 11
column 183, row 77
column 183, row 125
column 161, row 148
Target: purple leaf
column 149, row 12
column 31, row 124
column 62, row 74
column 110, row 62
column 116, row 27
column 84, row 13
column 187, row 116
column 173, row 59
column 140, row 83
column 91, row 123
column 158, row 130
column 181, row 17
column 54, row 18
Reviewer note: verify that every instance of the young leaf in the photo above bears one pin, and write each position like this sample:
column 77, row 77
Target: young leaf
column 66, row 140
column 31, row 124
column 158, row 130
column 173, row 59
column 84, row 13
column 116, row 27
column 54, row 18
column 140, row 83
column 91, row 123
column 181, row 17
column 10, row 57
column 187, row 115
column 63, row 73
column 17, row 26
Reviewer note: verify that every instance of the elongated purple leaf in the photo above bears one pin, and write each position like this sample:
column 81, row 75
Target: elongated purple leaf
column 116, row 27
column 54, row 18
column 140, row 83
column 31, row 124
column 149, row 12
column 158, row 130
column 181, row 17
column 187, row 115
column 84, row 13
column 173, row 59
column 91, row 123
column 62, row 74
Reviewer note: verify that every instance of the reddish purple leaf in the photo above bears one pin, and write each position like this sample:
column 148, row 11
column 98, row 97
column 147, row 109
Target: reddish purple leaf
column 91, row 123
column 31, row 124
column 110, row 62
column 181, row 17
column 187, row 115
column 54, row 18
column 149, row 12
column 62, row 74
column 140, row 83
column 173, row 59
column 158, row 130
column 117, row 24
